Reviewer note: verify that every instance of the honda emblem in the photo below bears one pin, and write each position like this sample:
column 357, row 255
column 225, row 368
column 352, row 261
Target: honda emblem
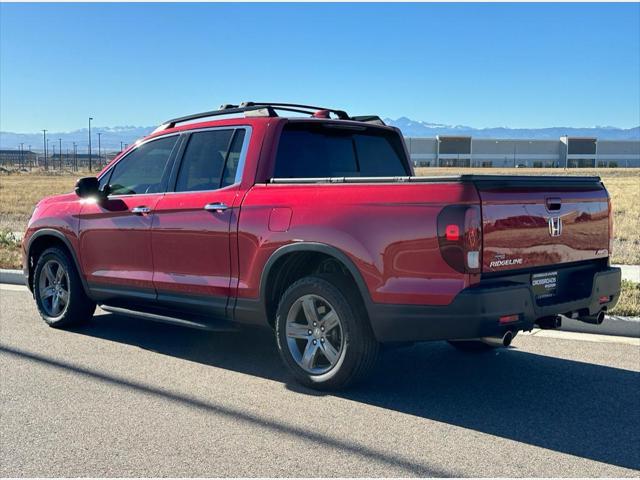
column 555, row 226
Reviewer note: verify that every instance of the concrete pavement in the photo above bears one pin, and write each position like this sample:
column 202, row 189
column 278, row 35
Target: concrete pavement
column 127, row 397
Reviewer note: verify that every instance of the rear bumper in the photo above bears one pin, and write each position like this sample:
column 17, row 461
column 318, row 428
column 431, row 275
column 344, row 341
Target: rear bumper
column 475, row 312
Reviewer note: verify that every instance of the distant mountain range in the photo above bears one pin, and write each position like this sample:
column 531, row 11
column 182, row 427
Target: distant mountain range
column 412, row 128
column 110, row 137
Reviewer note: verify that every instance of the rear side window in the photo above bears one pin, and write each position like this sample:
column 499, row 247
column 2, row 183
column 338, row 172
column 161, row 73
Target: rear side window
column 307, row 151
column 210, row 160
column 142, row 170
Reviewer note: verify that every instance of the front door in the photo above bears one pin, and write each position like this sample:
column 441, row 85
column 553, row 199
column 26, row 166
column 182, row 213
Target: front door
column 191, row 229
column 115, row 233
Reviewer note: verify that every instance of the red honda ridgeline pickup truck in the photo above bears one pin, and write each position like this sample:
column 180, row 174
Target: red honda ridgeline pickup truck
column 314, row 225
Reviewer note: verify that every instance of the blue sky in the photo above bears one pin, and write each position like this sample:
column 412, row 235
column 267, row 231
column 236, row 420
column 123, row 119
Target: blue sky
column 516, row 65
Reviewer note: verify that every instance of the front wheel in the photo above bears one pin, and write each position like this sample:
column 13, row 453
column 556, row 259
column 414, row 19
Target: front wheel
column 58, row 290
column 323, row 333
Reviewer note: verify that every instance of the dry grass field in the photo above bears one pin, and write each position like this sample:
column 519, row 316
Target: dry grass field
column 19, row 192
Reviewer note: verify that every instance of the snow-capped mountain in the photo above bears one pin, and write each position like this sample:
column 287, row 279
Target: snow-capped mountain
column 413, row 128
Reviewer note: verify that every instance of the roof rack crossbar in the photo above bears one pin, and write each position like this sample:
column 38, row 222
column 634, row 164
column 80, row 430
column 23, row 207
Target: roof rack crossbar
column 341, row 114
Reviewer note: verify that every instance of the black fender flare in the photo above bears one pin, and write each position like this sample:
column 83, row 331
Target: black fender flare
column 329, row 250
column 58, row 235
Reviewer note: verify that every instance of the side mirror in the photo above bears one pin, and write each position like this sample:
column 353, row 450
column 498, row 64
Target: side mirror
column 88, row 187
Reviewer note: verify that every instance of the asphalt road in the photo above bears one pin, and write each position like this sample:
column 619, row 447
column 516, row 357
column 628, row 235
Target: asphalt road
column 127, row 397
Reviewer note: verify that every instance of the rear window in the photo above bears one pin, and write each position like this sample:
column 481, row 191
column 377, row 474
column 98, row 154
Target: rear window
column 310, row 150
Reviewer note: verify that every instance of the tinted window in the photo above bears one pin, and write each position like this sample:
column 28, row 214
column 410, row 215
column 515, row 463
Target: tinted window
column 142, row 170
column 203, row 161
column 377, row 156
column 306, row 151
column 211, row 160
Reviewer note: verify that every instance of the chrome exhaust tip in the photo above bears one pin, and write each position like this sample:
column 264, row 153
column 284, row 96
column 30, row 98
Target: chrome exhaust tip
column 503, row 341
column 596, row 319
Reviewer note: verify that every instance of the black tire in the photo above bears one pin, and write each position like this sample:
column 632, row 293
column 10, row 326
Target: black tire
column 78, row 307
column 474, row 346
column 359, row 348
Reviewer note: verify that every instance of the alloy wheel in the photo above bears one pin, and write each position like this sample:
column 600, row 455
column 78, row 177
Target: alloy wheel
column 54, row 288
column 314, row 334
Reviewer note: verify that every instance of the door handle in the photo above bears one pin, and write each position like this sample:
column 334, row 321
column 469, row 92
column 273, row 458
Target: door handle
column 140, row 210
column 216, row 207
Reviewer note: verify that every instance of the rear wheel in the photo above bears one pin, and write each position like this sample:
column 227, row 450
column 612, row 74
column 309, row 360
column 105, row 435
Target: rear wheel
column 323, row 333
column 58, row 291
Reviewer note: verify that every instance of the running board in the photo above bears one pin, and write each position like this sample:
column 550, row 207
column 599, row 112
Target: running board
column 211, row 327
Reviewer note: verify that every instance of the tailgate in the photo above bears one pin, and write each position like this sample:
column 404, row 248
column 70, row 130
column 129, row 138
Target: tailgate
column 542, row 221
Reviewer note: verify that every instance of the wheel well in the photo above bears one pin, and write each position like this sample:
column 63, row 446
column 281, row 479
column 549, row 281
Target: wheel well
column 292, row 267
column 38, row 246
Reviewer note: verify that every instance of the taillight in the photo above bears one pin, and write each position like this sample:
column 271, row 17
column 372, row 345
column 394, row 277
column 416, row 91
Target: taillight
column 460, row 237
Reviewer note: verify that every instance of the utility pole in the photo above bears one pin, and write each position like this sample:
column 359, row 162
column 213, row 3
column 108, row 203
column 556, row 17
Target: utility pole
column 44, row 146
column 121, row 147
column 75, row 157
column 30, row 152
column 90, row 118
column 22, row 154
column 99, row 153
column 53, row 158
column 60, row 151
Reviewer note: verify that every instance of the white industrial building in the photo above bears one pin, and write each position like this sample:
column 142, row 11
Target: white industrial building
column 459, row 151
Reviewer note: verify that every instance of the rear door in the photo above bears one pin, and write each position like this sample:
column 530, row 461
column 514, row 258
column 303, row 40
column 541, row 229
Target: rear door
column 542, row 222
column 115, row 234
column 191, row 230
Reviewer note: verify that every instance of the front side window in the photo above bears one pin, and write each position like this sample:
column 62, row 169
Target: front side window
column 142, row 170
column 210, row 160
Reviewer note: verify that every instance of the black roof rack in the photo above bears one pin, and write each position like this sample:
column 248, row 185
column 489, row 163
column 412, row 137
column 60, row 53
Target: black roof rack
column 266, row 109
column 296, row 107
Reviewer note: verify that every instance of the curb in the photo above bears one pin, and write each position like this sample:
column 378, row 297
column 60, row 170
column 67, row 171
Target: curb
column 612, row 325
column 630, row 272
column 12, row 277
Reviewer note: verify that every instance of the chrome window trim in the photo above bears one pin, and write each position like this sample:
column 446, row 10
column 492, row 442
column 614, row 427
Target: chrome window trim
column 243, row 155
column 241, row 161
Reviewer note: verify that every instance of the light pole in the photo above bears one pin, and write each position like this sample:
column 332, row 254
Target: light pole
column 99, row 152
column 90, row 118
column 44, row 146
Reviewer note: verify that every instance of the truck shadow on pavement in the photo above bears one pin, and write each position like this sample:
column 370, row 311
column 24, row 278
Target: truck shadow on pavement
column 582, row 409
